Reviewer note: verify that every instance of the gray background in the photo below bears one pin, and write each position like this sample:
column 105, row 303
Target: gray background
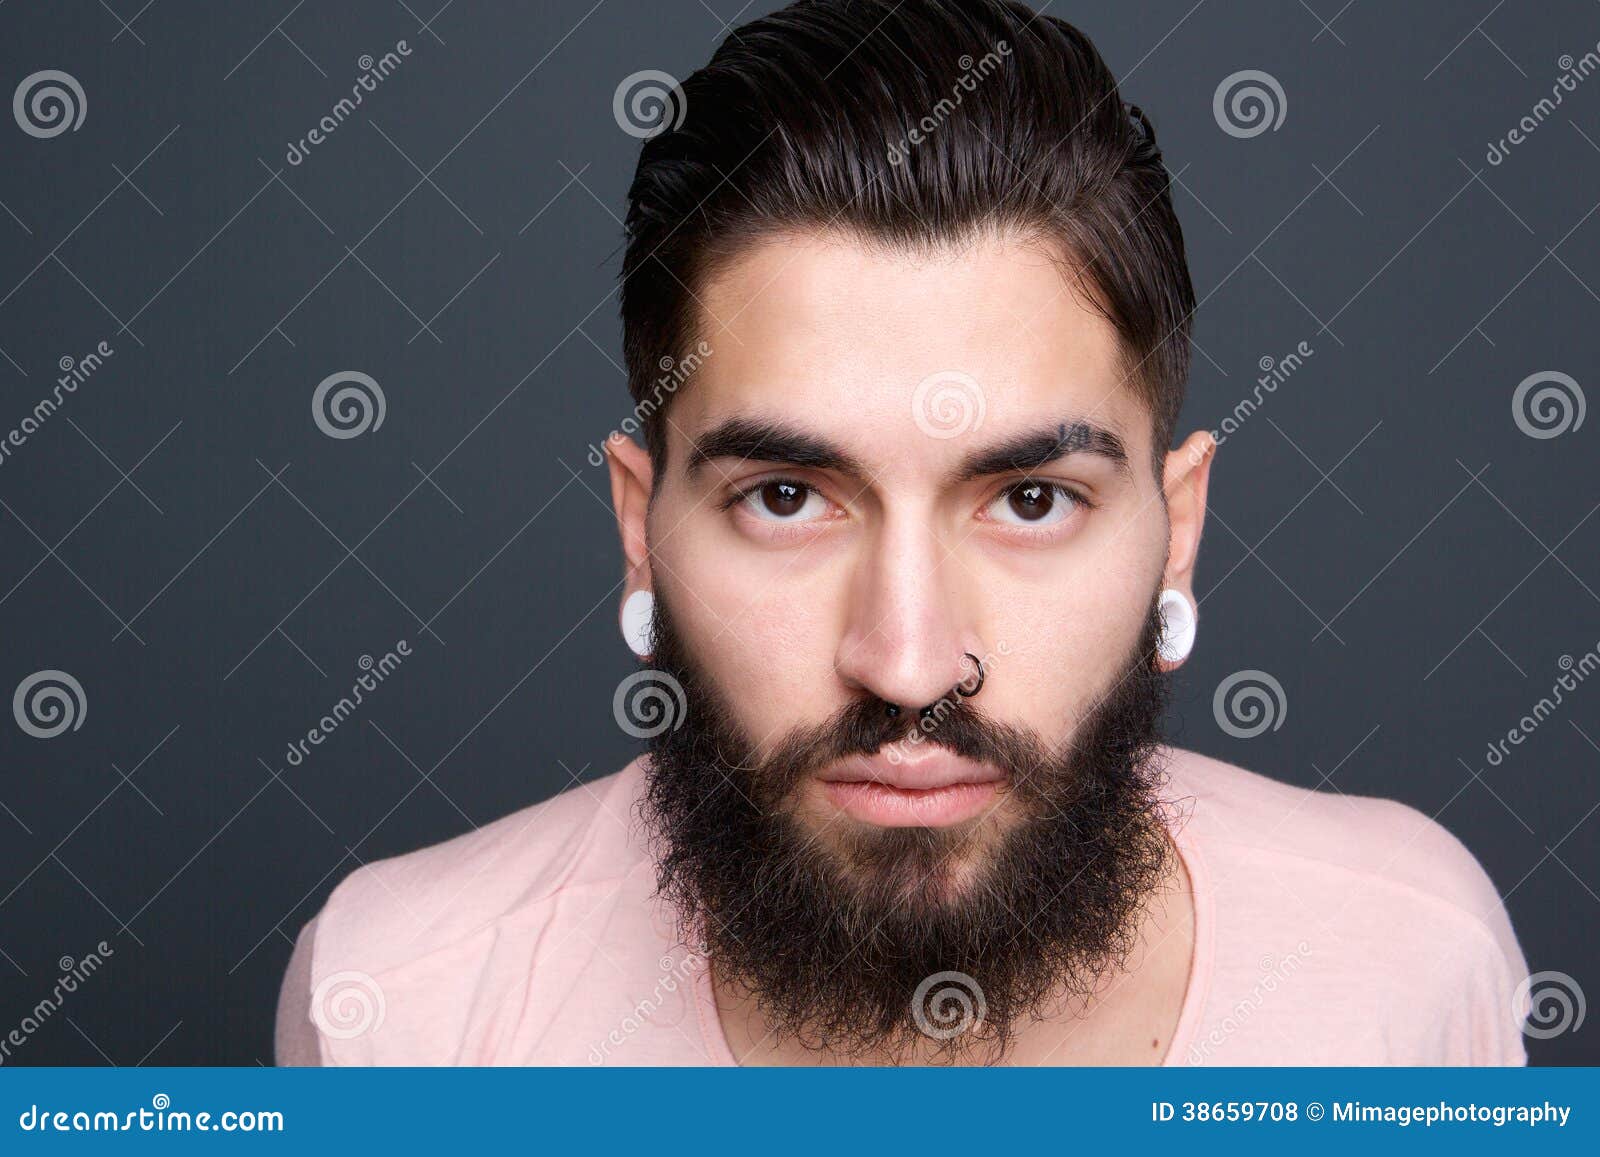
column 181, row 537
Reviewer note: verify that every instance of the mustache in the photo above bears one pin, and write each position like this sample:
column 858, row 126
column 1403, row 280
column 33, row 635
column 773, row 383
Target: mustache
column 862, row 727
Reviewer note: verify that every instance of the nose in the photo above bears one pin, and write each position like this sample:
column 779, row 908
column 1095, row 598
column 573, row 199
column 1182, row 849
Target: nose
column 906, row 625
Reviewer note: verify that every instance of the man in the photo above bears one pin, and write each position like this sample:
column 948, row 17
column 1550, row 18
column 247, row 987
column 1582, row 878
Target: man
column 909, row 563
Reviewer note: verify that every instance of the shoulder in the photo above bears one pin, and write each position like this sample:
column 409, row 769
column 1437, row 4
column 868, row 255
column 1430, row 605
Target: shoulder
column 1367, row 837
column 1404, row 939
column 391, row 912
column 1379, row 872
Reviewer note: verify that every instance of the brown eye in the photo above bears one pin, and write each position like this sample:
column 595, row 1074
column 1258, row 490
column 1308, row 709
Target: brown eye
column 1036, row 504
column 784, row 499
column 1031, row 501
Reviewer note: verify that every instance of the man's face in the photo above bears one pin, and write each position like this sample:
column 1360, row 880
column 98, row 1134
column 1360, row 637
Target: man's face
column 885, row 464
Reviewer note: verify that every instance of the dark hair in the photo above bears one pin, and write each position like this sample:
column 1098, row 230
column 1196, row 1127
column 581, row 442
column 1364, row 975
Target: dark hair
column 907, row 123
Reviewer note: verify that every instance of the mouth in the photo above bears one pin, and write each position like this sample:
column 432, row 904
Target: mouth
column 932, row 789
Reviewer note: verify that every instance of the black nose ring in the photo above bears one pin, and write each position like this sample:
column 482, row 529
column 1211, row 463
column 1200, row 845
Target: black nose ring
column 892, row 710
column 978, row 664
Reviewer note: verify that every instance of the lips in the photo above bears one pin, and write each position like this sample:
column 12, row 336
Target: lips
column 934, row 789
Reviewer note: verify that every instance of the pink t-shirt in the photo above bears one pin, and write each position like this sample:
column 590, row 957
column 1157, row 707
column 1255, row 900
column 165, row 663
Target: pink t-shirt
column 1329, row 930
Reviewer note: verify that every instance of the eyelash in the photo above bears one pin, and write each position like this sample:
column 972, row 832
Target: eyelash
column 751, row 489
column 1059, row 489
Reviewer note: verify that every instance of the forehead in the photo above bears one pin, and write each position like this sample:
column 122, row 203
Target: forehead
column 907, row 359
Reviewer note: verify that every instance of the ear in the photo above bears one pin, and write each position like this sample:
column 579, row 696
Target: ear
column 1184, row 481
column 631, row 483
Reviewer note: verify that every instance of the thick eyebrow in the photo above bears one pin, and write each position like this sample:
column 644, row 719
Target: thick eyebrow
column 766, row 441
column 1032, row 451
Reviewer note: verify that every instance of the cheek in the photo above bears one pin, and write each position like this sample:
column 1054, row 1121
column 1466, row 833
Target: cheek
column 764, row 632
column 1061, row 639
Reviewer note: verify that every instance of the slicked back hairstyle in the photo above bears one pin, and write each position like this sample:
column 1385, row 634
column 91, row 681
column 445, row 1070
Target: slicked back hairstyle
column 911, row 124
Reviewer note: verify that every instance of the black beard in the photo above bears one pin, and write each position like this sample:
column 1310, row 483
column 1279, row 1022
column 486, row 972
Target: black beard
column 862, row 941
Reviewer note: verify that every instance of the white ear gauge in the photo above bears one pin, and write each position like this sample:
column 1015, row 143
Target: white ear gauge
column 1179, row 622
column 638, row 621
